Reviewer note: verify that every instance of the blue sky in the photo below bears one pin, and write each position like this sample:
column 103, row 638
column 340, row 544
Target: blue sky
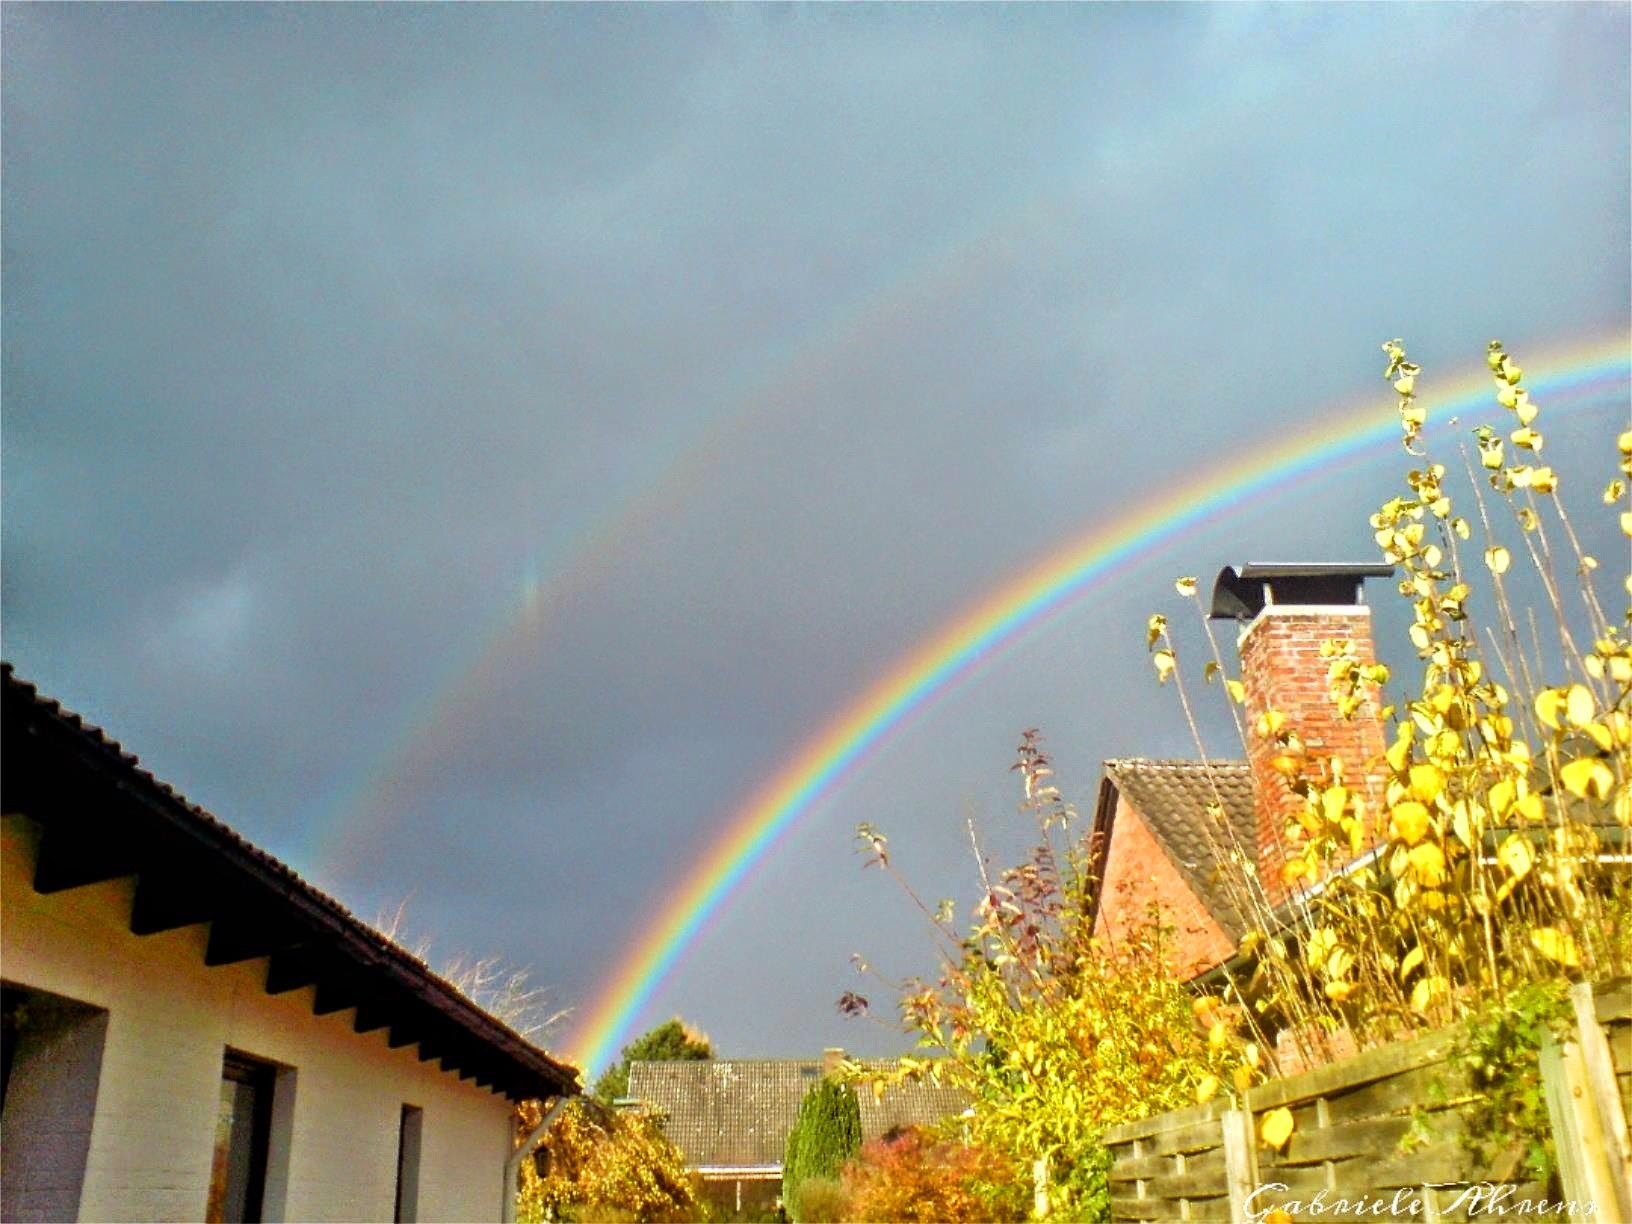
column 329, row 329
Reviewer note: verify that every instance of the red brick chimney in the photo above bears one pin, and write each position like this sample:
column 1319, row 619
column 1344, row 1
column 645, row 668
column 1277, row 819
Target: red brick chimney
column 1286, row 613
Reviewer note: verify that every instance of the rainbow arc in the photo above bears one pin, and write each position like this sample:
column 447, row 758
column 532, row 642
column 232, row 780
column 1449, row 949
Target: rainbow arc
column 1583, row 376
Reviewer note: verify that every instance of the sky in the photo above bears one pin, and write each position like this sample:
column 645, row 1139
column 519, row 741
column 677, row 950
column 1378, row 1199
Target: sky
column 470, row 449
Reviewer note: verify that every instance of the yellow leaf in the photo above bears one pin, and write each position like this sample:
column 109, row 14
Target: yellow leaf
column 1187, row 587
column 1550, row 707
column 1165, row 663
column 1154, row 628
column 1428, row 861
column 1425, row 992
column 1339, row 963
column 1556, row 945
column 1529, row 439
column 1427, row 781
column 1277, row 1215
column 1270, row 723
column 1337, row 992
column 1412, row 959
column 1408, row 822
column 1613, row 491
column 1498, row 559
column 1579, row 706
column 1207, row 1089
column 1587, row 777
column 1333, row 801
column 1517, row 855
column 1276, row 1128
column 1219, row 1035
column 1399, row 752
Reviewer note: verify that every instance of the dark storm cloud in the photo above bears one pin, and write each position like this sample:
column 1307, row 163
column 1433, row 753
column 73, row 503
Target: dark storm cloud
column 325, row 327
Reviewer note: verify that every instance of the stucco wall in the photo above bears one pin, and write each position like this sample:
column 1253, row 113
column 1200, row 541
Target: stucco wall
column 170, row 1020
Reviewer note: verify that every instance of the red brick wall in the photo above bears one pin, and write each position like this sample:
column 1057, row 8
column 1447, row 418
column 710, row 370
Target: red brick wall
column 1283, row 670
column 1137, row 872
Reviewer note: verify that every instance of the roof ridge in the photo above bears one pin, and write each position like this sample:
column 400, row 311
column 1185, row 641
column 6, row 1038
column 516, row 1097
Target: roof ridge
column 1189, row 763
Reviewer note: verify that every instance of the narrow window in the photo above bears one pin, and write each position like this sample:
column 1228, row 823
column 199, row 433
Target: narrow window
column 52, row 1056
column 243, row 1128
column 408, row 1137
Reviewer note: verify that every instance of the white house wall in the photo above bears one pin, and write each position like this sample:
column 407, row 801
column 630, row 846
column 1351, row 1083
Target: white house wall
column 170, row 1021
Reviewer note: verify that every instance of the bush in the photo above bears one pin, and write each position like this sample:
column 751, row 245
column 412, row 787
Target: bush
column 1053, row 1034
column 827, row 1133
column 822, row 1201
column 605, row 1166
column 911, row 1174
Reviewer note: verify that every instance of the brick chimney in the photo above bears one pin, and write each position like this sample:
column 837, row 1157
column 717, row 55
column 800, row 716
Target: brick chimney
column 1286, row 613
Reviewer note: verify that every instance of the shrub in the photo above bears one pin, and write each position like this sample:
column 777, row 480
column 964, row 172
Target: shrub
column 913, row 1175
column 827, row 1133
column 605, row 1166
column 822, row 1200
column 1053, row 1035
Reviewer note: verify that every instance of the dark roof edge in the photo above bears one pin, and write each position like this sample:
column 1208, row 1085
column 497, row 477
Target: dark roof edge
column 355, row 940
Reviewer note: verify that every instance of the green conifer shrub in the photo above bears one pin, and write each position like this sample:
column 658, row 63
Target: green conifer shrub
column 827, row 1133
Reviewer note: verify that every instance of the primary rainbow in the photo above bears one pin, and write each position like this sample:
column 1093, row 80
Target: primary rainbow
column 1581, row 375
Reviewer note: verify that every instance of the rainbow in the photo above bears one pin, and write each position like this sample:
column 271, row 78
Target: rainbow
column 1583, row 375
column 346, row 821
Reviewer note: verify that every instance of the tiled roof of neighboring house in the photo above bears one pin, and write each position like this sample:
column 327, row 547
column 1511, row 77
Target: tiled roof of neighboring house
column 1173, row 797
column 103, row 818
column 736, row 1113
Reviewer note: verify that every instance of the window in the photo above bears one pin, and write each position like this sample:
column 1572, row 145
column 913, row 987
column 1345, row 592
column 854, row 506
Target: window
column 243, row 1134
column 408, row 1137
column 51, row 1051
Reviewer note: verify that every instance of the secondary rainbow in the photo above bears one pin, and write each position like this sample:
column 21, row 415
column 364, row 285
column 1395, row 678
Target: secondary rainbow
column 1580, row 375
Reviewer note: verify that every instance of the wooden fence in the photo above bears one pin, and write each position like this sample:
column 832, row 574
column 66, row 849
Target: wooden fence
column 1385, row 1136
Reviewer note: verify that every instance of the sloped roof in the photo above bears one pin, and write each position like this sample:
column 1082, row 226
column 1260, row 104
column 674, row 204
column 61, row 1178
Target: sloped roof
column 1173, row 797
column 736, row 1113
column 104, row 817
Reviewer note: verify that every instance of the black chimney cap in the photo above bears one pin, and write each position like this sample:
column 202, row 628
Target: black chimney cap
column 1242, row 594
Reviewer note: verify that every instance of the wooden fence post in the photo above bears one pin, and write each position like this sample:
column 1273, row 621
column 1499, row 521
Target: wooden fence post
column 1578, row 1142
column 1605, row 1098
column 1240, row 1171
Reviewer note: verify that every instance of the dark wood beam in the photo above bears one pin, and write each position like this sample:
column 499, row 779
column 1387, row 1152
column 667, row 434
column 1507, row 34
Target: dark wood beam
column 370, row 1016
column 235, row 937
column 401, row 1035
column 70, row 861
column 332, row 996
column 289, row 971
column 166, row 900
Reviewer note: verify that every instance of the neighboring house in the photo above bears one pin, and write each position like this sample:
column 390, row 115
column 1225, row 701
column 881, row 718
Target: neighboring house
column 731, row 1118
column 1187, row 834
column 194, row 1032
